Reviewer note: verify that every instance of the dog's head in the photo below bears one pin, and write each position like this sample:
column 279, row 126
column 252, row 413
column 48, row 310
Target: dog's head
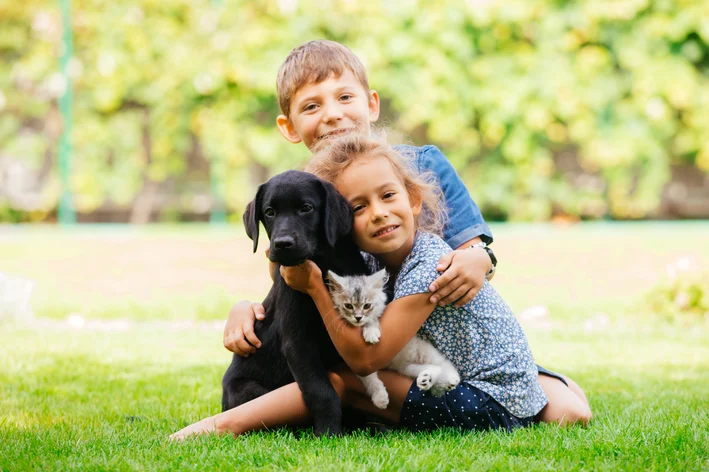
column 301, row 213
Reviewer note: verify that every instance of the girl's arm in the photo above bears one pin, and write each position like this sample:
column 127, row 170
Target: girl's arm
column 401, row 319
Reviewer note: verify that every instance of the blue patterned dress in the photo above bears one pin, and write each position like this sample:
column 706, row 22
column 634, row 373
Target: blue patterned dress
column 482, row 339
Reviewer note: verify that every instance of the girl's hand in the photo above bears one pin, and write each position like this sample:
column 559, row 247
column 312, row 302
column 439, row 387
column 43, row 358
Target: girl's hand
column 463, row 278
column 305, row 277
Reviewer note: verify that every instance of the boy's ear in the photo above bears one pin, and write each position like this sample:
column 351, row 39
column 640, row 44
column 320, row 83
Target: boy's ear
column 373, row 106
column 285, row 126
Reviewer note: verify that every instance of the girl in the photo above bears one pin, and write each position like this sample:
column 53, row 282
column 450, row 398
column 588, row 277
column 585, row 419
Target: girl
column 396, row 214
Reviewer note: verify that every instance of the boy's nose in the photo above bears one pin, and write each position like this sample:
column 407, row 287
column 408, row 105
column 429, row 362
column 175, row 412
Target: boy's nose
column 332, row 113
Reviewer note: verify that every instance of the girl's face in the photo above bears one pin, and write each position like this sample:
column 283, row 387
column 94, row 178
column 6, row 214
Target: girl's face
column 384, row 215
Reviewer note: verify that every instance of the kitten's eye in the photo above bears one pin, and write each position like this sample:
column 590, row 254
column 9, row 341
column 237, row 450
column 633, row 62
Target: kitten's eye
column 270, row 212
column 306, row 208
column 349, row 306
column 367, row 306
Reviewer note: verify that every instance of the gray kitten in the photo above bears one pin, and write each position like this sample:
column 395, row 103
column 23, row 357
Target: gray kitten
column 361, row 300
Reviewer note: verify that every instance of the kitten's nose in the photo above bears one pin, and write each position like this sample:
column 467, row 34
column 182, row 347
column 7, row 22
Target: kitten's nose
column 358, row 317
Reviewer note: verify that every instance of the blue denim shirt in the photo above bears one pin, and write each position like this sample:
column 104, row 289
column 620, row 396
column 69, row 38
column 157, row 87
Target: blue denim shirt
column 464, row 219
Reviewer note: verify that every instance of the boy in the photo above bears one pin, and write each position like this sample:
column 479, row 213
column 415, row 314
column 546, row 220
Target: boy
column 323, row 92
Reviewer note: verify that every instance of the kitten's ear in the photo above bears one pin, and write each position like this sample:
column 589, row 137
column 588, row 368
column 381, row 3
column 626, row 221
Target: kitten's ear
column 334, row 281
column 380, row 278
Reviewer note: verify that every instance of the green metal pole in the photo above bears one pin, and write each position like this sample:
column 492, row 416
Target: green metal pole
column 217, row 170
column 67, row 216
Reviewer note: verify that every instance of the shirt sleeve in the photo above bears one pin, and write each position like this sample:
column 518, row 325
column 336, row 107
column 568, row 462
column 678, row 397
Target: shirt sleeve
column 465, row 221
column 419, row 271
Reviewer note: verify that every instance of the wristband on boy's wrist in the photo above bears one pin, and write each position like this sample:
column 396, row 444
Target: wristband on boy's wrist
column 491, row 254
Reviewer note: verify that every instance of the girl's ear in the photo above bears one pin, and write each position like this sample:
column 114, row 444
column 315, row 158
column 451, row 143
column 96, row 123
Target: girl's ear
column 416, row 202
column 285, row 126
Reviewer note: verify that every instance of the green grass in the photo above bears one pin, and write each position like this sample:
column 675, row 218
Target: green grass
column 107, row 395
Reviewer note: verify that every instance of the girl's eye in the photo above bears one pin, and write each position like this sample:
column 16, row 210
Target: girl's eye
column 306, row 208
column 388, row 194
column 270, row 212
column 357, row 208
column 367, row 306
column 349, row 306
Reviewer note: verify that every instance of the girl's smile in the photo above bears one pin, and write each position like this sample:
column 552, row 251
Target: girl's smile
column 384, row 213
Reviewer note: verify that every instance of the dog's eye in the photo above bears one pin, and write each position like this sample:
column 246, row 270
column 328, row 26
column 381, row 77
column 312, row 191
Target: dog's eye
column 367, row 306
column 349, row 306
column 270, row 212
column 306, row 208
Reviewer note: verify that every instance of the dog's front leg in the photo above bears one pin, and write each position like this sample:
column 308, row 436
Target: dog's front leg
column 318, row 393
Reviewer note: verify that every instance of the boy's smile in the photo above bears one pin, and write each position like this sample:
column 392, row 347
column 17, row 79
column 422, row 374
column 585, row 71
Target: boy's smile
column 384, row 215
column 333, row 107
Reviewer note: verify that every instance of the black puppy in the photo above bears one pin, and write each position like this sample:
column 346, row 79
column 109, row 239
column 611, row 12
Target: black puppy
column 305, row 218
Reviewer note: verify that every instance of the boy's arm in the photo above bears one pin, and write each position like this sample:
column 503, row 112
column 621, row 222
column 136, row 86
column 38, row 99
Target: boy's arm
column 465, row 222
column 239, row 335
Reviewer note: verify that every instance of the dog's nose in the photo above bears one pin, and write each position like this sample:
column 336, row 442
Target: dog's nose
column 284, row 242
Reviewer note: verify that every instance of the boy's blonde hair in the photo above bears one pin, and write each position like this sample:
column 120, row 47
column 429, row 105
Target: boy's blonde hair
column 337, row 154
column 314, row 62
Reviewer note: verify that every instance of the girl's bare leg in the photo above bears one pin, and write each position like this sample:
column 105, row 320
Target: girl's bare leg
column 567, row 405
column 285, row 406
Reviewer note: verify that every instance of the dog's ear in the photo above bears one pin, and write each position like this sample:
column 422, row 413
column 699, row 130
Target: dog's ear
column 337, row 219
column 252, row 216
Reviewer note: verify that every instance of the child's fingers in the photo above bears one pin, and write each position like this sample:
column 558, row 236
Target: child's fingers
column 446, row 284
column 454, row 295
column 445, row 261
column 259, row 311
column 465, row 299
column 250, row 335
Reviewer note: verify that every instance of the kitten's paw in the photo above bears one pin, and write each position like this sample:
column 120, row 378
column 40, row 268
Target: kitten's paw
column 451, row 381
column 381, row 399
column 371, row 334
column 424, row 381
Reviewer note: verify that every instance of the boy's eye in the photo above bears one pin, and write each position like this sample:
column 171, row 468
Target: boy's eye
column 270, row 212
column 349, row 306
column 346, row 96
column 310, row 107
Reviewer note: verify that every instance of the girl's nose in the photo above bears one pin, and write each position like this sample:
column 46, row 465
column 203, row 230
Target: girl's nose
column 379, row 211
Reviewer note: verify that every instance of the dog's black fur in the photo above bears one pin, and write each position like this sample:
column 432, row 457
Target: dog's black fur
column 305, row 218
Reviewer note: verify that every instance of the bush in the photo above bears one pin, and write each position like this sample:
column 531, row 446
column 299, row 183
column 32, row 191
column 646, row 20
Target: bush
column 683, row 295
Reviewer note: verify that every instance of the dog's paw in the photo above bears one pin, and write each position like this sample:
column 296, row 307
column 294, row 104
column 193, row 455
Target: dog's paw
column 424, row 381
column 381, row 399
column 371, row 334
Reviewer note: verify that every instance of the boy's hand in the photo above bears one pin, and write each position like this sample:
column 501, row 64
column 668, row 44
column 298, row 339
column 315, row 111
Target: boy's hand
column 239, row 336
column 305, row 277
column 463, row 278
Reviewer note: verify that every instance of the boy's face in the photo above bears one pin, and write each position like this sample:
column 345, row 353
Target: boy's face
column 332, row 107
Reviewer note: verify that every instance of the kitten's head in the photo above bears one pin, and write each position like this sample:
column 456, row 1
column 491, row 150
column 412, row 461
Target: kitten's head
column 358, row 298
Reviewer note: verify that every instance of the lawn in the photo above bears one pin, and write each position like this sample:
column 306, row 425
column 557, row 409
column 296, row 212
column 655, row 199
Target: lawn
column 141, row 355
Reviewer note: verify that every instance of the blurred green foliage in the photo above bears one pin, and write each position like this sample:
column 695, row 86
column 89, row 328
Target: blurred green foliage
column 683, row 296
column 544, row 107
